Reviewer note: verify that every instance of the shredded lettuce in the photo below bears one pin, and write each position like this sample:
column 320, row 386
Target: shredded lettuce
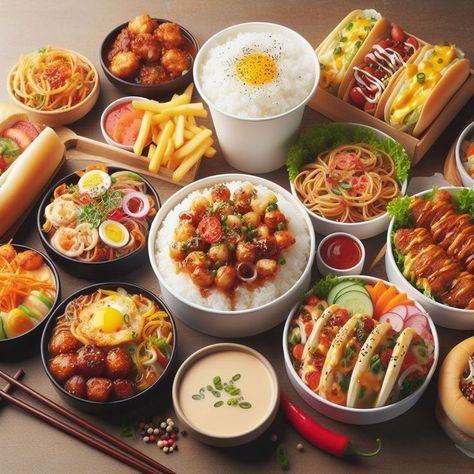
column 429, row 196
column 399, row 210
column 322, row 287
column 330, row 135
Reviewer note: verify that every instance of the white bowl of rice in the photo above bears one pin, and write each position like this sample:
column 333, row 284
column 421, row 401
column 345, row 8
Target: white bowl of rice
column 251, row 310
column 256, row 79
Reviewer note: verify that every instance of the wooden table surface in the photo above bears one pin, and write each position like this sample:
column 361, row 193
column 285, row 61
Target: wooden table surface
column 411, row 443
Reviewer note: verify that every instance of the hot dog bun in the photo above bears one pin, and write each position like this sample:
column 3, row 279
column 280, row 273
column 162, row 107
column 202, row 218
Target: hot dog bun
column 333, row 73
column 24, row 180
column 456, row 413
column 440, row 81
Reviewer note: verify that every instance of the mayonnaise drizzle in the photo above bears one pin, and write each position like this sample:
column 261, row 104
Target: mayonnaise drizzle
column 388, row 60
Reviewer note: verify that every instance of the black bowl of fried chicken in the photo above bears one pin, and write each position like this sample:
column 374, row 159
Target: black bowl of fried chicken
column 149, row 57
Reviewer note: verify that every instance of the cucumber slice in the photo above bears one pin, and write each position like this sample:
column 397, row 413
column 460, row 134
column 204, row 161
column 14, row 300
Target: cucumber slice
column 43, row 298
column 357, row 302
column 3, row 334
column 332, row 294
column 338, row 297
column 126, row 174
column 354, row 287
column 28, row 311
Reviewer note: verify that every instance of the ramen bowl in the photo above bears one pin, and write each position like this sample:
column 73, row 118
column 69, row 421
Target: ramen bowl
column 92, row 270
column 154, row 391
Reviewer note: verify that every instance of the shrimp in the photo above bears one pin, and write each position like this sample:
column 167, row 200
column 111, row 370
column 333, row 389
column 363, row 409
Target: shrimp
column 62, row 211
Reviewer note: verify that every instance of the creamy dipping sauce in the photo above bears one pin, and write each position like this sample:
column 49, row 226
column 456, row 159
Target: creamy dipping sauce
column 256, row 388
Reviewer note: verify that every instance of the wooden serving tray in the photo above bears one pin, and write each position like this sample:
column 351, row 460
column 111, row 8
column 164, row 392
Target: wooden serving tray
column 338, row 110
column 81, row 148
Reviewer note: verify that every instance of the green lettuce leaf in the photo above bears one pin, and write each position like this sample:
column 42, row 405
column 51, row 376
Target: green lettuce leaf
column 399, row 209
column 330, row 135
column 465, row 202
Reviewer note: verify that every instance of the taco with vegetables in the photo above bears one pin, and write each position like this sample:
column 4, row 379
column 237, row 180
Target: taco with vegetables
column 409, row 365
column 371, row 367
column 342, row 357
column 318, row 343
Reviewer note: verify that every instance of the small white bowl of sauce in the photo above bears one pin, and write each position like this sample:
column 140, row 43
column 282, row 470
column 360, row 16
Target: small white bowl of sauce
column 226, row 394
column 120, row 122
column 340, row 253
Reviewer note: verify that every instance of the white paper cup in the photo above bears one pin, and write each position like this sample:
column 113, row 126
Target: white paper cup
column 255, row 145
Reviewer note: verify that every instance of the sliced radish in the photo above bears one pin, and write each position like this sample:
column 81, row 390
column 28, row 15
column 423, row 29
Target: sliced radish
column 394, row 319
column 401, row 310
column 418, row 322
column 411, row 310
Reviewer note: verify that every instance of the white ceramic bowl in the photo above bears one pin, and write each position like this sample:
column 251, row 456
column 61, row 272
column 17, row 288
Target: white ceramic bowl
column 443, row 315
column 362, row 230
column 106, row 111
column 255, row 145
column 468, row 132
column 356, row 416
column 324, row 268
column 214, row 439
column 222, row 323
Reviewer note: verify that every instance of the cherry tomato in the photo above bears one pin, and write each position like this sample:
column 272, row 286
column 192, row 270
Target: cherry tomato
column 385, row 357
column 313, row 379
column 116, row 214
column 313, row 300
column 412, row 41
column 368, row 325
column 409, row 360
column 210, row 229
column 386, row 43
column 298, row 351
column 356, row 97
column 369, row 108
column 398, row 34
column 470, row 150
column 345, row 161
column 3, row 163
column 308, row 327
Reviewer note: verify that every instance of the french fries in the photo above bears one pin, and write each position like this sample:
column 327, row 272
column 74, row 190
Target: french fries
column 178, row 142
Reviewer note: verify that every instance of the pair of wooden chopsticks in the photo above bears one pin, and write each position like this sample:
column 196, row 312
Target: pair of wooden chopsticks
column 134, row 458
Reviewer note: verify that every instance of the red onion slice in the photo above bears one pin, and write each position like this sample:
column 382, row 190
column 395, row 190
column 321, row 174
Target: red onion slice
column 144, row 208
column 246, row 272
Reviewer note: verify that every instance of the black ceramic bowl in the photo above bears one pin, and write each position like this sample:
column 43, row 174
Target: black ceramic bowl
column 153, row 90
column 93, row 270
column 22, row 346
column 116, row 406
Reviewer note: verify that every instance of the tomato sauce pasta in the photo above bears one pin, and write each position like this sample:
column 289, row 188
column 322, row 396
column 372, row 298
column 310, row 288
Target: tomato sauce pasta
column 350, row 183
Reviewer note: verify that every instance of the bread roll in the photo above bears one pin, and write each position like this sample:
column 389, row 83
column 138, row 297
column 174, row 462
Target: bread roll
column 456, row 413
column 24, row 180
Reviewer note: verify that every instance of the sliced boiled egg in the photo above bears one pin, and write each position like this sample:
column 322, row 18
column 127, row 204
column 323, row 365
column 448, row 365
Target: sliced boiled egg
column 94, row 182
column 114, row 234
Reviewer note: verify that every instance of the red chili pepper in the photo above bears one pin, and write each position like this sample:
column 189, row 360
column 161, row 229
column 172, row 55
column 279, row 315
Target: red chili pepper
column 116, row 214
column 319, row 436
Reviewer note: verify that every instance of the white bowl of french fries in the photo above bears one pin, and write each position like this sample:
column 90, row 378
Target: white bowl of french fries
column 178, row 141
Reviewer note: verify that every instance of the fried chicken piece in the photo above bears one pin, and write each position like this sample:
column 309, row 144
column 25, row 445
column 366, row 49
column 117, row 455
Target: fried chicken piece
column 145, row 46
column 124, row 64
column 176, row 62
column 123, row 43
column 142, row 24
column 169, row 35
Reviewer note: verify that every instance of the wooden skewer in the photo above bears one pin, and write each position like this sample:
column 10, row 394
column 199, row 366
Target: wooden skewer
column 151, row 466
